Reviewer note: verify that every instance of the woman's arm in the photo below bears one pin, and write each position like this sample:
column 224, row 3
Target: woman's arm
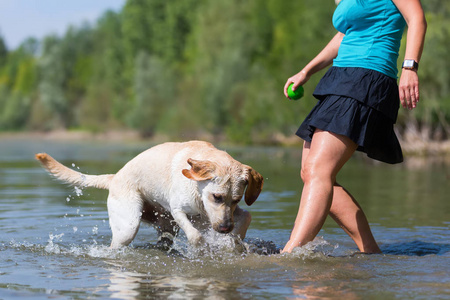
column 417, row 26
column 322, row 60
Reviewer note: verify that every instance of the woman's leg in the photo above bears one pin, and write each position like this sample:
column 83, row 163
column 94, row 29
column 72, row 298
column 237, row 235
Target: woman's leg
column 350, row 216
column 344, row 209
column 326, row 155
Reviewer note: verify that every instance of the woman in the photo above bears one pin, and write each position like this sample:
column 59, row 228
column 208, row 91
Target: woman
column 357, row 108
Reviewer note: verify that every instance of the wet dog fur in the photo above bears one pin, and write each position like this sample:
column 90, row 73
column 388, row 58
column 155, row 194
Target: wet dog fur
column 190, row 185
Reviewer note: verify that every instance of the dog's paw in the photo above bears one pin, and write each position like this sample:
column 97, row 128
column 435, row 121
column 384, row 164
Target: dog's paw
column 239, row 245
column 196, row 239
column 200, row 241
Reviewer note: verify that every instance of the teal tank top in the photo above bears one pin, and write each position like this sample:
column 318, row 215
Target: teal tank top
column 373, row 30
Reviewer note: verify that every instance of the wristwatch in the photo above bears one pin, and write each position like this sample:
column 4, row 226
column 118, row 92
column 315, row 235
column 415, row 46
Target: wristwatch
column 410, row 64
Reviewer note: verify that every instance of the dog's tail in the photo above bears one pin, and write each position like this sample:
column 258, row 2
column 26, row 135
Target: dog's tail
column 73, row 177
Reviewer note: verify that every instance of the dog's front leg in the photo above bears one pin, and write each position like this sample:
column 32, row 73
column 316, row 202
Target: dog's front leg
column 193, row 235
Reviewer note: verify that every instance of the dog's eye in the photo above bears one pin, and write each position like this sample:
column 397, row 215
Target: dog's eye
column 218, row 198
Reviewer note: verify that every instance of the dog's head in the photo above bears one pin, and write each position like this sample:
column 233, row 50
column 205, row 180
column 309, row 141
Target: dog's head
column 222, row 187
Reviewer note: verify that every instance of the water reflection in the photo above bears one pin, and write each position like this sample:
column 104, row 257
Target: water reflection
column 415, row 163
column 131, row 285
column 310, row 290
column 320, row 276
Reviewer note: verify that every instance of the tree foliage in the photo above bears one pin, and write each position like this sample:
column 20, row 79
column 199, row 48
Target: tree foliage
column 184, row 66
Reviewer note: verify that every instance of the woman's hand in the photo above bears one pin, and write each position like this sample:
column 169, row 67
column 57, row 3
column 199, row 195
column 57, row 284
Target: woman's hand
column 409, row 88
column 298, row 79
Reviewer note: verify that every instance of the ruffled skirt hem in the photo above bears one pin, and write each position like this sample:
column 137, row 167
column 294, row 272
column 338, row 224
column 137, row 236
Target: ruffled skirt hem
column 370, row 129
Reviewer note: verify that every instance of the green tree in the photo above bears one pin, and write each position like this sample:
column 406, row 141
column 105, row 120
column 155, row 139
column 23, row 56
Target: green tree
column 104, row 98
column 65, row 73
column 219, row 51
column 158, row 27
column 52, row 80
column 3, row 52
column 17, row 87
column 153, row 92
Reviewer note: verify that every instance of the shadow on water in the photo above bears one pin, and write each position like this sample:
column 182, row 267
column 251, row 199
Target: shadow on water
column 415, row 248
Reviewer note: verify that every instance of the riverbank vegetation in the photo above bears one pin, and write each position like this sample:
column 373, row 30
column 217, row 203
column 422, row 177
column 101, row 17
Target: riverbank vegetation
column 185, row 68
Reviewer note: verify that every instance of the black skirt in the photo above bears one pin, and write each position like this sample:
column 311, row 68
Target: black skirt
column 361, row 104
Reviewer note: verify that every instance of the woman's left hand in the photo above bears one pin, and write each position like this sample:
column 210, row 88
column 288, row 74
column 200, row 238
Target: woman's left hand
column 409, row 88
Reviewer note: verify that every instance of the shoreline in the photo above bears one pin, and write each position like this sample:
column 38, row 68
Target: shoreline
column 412, row 145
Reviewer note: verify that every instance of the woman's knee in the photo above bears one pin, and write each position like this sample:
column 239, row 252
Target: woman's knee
column 316, row 170
column 304, row 174
column 307, row 172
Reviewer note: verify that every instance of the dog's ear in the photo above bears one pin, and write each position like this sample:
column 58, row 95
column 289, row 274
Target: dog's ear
column 255, row 184
column 200, row 170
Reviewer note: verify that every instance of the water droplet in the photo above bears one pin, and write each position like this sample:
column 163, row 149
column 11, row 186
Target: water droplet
column 78, row 191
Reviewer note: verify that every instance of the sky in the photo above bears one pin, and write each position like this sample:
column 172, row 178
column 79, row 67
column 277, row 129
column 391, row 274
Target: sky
column 20, row 19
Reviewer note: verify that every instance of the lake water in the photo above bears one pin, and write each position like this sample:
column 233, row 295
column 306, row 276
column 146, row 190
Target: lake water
column 54, row 239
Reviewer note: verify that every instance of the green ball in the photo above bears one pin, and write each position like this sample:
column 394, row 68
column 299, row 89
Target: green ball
column 297, row 94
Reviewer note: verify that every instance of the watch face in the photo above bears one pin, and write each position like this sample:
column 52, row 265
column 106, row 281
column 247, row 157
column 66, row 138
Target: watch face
column 408, row 64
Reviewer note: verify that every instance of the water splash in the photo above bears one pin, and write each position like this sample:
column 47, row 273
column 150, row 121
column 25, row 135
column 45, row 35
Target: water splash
column 218, row 246
column 318, row 248
column 53, row 247
column 95, row 230
column 217, row 249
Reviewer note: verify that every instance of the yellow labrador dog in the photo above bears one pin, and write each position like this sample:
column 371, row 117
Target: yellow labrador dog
column 173, row 185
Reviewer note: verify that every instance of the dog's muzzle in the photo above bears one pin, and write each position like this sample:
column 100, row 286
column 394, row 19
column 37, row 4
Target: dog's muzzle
column 226, row 227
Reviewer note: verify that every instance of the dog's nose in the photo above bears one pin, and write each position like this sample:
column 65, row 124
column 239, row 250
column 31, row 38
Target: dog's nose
column 225, row 228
